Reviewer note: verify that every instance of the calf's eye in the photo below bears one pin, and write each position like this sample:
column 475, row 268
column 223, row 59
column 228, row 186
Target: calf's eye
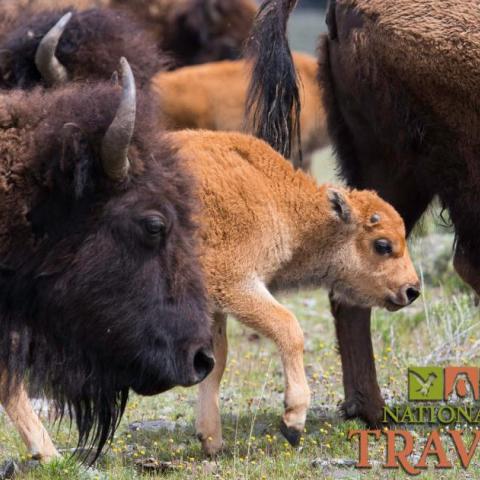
column 383, row 246
column 154, row 225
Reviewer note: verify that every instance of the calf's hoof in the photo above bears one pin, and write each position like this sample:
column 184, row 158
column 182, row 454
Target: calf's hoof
column 211, row 445
column 292, row 434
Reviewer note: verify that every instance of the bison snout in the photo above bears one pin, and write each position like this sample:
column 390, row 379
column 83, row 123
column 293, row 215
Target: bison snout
column 411, row 293
column 405, row 296
column 200, row 363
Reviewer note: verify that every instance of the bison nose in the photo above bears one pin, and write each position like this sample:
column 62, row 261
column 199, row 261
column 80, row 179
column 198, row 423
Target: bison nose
column 407, row 295
column 203, row 363
column 200, row 363
column 412, row 293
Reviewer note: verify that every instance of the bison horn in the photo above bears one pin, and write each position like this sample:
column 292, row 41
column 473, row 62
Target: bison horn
column 52, row 71
column 119, row 134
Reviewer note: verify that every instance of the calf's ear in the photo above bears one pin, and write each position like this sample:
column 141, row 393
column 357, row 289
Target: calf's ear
column 341, row 207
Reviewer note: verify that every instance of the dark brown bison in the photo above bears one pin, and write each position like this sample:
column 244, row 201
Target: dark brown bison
column 51, row 47
column 401, row 83
column 201, row 31
column 100, row 286
column 191, row 31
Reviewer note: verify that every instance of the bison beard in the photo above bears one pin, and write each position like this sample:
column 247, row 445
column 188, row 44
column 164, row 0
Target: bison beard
column 73, row 320
column 89, row 48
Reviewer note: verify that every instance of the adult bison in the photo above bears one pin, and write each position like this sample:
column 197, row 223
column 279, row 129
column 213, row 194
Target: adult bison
column 191, row 31
column 51, row 47
column 401, row 82
column 100, row 286
column 196, row 31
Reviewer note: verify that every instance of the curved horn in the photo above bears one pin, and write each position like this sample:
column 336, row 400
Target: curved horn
column 119, row 134
column 52, row 71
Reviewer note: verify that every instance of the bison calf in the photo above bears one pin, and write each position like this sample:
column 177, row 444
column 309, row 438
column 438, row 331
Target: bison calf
column 266, row 228
column 213, row 97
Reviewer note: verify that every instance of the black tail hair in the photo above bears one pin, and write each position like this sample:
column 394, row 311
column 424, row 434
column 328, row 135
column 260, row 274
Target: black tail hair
column 273, row 101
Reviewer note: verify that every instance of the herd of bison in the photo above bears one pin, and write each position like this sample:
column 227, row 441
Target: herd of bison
column 135, row 216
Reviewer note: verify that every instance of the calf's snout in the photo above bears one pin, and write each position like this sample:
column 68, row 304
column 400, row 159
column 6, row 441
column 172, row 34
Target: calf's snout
column 411, row 293
column 406, row 295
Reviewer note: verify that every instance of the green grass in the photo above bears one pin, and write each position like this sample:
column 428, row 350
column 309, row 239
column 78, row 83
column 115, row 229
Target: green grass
column 440, row 328
column 252, row 400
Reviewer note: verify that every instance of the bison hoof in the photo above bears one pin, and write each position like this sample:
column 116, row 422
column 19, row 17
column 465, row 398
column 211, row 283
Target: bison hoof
column 292, row 435
column 371, row 415
column 349, row 410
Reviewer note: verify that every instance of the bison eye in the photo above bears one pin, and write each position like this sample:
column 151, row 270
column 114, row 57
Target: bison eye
column 154, row 225
column 383, row 246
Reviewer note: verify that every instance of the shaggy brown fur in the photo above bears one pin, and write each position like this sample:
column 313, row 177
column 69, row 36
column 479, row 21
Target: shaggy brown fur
column 213, row 97
column 400, row 81
column 73, row 242
column 191, row 31
column 89, row 48
column 267, row 228
column 196, row 31
column 419, row 65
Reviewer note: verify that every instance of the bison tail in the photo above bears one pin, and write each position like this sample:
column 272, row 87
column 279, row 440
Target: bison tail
column 273, row 102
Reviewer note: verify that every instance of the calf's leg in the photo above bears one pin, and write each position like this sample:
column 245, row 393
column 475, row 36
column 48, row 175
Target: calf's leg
column 208, row 424
column 21, row 413
column 254, row 306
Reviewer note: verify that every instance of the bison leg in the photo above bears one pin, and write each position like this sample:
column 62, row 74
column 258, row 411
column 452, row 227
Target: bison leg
column 208, row 424
column 363, row 398
column 362, row 393
column 255, row 307
column 33, row 433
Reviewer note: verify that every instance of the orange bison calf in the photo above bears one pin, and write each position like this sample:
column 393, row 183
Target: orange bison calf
column 266, row 228
column 213, row 97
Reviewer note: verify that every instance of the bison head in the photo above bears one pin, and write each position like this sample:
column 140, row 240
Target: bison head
column 52, row 46
column 106, row 293
column 372, row 264
column 201, row 31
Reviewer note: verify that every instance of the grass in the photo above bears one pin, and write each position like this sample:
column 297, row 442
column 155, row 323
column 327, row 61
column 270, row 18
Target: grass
column 440, row 328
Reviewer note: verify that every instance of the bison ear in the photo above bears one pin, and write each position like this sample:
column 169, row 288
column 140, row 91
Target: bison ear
column 340, row 205
column 75, row 146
